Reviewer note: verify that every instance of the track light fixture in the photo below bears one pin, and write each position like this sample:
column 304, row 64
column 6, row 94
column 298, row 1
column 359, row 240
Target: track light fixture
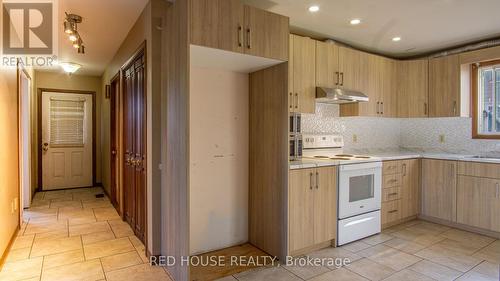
column 71, row 28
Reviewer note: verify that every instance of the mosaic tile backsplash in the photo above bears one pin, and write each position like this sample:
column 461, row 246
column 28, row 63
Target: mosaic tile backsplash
column 367, row 133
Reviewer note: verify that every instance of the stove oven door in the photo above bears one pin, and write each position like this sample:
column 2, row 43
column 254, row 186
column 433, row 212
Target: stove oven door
column 360, row 187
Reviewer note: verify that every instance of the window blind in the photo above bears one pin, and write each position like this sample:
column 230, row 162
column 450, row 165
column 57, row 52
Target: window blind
column 67, row 122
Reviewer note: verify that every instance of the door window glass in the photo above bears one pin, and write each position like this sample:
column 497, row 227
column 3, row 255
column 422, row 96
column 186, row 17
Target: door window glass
column 67, row 122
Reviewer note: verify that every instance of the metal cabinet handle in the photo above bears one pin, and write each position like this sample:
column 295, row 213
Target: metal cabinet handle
column 249, row 36
column 455, row 108
column 311, row 180
column 342, row 78
column 393, row 211
column 498, row 191
column 291, row 100
column 317, row 180
column 378, row 107
column 425, row 109
column 392, row 194
column 404, row 169
column 337, row 73
column 297, row 99
column 240, row 36
column 382, row 106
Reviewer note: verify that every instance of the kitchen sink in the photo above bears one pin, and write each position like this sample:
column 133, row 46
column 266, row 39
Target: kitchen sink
column 485, row 157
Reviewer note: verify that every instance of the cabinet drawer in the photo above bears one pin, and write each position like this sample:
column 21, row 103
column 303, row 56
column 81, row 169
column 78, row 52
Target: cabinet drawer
column 482, row 170
column 390, row 194
column 391, row 167
column 391, row 180
column 391, row 211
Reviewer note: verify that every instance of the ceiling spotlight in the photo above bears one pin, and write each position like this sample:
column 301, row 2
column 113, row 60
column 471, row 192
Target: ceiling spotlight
column 313, row 9
column 355, row 21
column 81, row 50
column 78, row 43
column 74, row 37
column 71, row 27
column 69, row 67
column 396, row 39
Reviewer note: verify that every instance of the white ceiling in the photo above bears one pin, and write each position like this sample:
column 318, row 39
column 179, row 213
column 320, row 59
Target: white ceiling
column 423, row 25
column 105, row 25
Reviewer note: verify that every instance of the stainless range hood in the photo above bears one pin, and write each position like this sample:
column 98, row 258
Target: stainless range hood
column 339, row 95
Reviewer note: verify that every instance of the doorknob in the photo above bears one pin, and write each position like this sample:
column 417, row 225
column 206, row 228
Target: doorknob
column 113, row 152
column 45, row 146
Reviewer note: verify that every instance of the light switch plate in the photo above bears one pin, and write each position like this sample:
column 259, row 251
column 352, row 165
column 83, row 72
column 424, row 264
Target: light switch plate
column 441, row 139
column 354, row 138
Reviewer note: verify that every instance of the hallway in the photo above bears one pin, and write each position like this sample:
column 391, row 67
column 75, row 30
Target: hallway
column 72, row 235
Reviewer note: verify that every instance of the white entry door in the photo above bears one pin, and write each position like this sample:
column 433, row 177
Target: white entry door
column 66, row 140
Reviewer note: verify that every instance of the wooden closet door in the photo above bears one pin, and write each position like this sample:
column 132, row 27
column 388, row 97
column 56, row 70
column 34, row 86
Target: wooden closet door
column 140, row 149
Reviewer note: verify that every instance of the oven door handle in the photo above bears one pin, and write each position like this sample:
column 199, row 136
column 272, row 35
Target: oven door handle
column 361, row 166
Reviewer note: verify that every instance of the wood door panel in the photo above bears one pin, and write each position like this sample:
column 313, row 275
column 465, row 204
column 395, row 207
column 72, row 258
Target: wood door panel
column 444, row 86
column 413, row 88
column 301, row 209
column 325, row 205
column 304, row 84
column 266, row 34
column 410, row 188
column 439, row 189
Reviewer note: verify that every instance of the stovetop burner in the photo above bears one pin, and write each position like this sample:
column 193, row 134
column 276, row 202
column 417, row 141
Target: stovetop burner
column 344, row 155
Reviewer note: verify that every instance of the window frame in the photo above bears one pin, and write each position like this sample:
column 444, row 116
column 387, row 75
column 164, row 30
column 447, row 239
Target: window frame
column 475, row 100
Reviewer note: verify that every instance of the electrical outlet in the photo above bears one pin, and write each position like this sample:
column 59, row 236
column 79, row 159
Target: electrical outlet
column 441, row 139
column 354, row 138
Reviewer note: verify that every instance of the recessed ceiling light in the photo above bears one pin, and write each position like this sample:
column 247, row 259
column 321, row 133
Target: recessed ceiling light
column 355, row 21
column 313, row 9
column 396, row 39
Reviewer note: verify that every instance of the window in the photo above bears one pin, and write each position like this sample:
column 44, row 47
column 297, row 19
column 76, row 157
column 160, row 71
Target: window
column 66, row 122
column 486, row 100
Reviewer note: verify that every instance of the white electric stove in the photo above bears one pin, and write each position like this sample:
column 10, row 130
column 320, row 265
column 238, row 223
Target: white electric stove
column 359, row 186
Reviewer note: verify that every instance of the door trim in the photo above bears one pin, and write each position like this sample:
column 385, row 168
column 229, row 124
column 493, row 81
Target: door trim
column 115, row 97
column 39, row 129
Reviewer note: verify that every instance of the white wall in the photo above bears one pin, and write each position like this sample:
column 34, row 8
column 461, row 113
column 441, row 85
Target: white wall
column 394, row 133
column 219, row 124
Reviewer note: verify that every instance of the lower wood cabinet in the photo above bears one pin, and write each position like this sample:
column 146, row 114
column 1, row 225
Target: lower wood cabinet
column 478, row 202
column 312, row 207
column 400, row 191
column 439, row 178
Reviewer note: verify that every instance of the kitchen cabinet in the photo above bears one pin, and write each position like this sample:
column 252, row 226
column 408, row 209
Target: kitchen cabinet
column 439, row 189
column 410, row 188
column 400, row 191
column 230, row 25
column 478, row 202
column 266, row 34
column 312, row 207
column 327, row 65
column 412, row 88
column 218, row 24
column 302, row 74
column 444, row 86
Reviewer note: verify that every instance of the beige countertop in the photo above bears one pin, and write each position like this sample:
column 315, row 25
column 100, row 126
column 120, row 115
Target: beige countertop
column 388, row 155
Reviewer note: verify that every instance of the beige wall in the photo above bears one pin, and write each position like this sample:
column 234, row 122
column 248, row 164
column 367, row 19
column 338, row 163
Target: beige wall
column 63, row 81
column 218, row 164
column 9, row 156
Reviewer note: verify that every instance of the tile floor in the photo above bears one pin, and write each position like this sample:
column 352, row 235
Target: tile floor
column 72, row 235
column 415, row 250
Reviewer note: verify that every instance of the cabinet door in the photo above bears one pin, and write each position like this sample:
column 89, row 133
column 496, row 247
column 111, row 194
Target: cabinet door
column 292, row 106
column 217, row 24
column 476, row 202
column 325, row 205
column 410, row 188
column 387, row 90
column 390, row 212
column 413, row 88
column 266, row 34
column 439, row 189
column 327, row 65
column 444, row 86
column 354, row 69
column 304, row 74
column 301, row 209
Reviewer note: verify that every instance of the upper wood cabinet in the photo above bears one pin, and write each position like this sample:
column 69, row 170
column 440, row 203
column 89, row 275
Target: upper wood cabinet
column 218, row 24
column 412, row 88
column 327, row 65
column 312, row 207
column 444, row 86
column 302, row 78
column 439, row 178
column 232, row 26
